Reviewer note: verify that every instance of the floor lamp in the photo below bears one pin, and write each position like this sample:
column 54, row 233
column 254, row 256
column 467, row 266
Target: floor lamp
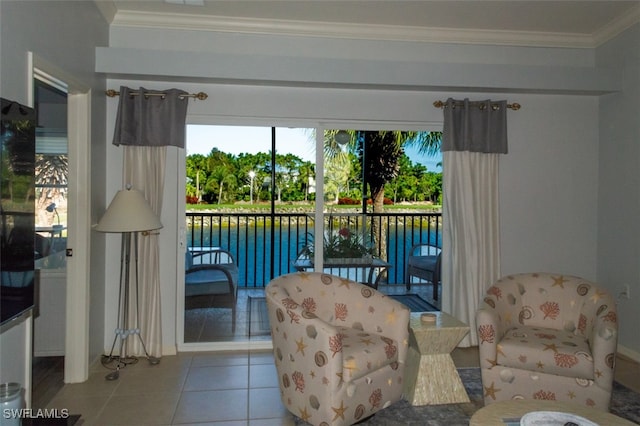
column 128, row 214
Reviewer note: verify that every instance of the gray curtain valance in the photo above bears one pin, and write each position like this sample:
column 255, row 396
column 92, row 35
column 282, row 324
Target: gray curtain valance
column 151, row 117
column 479, row 126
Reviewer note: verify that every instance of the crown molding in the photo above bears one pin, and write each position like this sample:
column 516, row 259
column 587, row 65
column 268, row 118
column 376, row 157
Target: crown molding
column 618, row 26
column 107, row 9
column 194, row 22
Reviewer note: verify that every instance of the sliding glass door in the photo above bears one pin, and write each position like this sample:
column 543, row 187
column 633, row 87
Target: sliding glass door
column 280, row 200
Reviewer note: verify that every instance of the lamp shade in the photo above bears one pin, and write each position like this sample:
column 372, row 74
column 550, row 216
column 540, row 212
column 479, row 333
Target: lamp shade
column 128, row 212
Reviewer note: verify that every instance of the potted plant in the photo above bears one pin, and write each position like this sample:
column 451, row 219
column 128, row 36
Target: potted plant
column 341, row 246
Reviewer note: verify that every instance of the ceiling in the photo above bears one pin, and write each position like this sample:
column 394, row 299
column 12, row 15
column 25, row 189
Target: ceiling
column 581, row 23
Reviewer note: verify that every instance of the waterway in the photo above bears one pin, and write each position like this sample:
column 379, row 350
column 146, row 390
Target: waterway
column 252, row 247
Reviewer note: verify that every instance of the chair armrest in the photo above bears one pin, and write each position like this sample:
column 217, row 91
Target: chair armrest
column 490, row 331
column 604, row 342
column 298, row 332
column 216, row 255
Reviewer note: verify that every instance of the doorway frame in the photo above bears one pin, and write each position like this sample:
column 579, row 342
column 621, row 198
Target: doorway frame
column 76, row 357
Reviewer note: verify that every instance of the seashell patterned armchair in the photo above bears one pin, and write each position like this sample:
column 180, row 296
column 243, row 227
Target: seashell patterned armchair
column 339, row 347
column 547, row 336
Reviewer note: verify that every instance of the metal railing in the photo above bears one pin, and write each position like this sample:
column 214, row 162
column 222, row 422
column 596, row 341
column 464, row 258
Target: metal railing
column 260, row 257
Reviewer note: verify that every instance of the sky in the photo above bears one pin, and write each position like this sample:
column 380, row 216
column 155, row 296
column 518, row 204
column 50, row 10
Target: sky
column 241, row 139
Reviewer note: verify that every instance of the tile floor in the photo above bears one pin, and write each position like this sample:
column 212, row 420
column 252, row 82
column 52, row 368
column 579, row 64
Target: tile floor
column 189, row 388
column 223, row 388
column 213, row 388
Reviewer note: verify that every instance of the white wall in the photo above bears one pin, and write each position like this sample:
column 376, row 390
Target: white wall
column 270, row 46
column 62, row 35
column 548, row 187
column 223, row 57
column 619, row 187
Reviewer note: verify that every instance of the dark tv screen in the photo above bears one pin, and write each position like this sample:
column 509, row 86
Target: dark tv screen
column 17, row 229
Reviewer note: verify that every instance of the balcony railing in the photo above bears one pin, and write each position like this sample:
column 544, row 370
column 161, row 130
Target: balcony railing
column 265, row 244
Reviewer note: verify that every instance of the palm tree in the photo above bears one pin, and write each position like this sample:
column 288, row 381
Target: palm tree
column 307, row 171
column 380, row 153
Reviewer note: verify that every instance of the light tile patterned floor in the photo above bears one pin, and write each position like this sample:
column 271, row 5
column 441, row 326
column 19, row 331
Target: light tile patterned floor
column 192, row 388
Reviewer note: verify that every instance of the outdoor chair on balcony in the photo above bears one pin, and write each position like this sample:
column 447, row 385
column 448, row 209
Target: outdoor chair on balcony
column 339, row 347
column 212, row 272
column 424, row 262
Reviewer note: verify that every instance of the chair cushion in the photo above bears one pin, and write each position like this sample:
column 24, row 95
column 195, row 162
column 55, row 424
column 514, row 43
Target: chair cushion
column 423, row 262
column 546, row 350
column 364, row 353
column 217, row 280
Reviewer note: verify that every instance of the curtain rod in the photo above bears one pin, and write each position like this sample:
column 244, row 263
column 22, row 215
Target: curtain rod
column 201, row 96
column 440, row 104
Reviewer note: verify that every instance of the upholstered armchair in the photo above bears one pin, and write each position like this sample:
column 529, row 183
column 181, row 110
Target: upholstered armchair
column 339, row 347
column 547, row 336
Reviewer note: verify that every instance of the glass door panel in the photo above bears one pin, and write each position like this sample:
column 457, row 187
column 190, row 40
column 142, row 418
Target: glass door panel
column 347, row 244
column 374, row 182
column 251, row 191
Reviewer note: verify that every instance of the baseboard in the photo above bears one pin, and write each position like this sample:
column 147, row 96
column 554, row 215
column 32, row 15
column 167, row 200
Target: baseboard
column 169, row 350
column 226, row 346
column 629, row 353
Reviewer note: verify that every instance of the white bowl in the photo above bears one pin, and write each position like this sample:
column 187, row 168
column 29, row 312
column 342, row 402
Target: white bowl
column 553, row 418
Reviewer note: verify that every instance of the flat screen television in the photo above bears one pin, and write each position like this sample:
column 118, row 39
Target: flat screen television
column 17, row 226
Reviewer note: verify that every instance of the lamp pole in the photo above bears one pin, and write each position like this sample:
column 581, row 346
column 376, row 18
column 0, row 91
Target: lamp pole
column 252, row 176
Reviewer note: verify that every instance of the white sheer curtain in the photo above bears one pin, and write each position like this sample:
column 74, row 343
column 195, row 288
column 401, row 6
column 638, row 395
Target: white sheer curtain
column 144, row 168
column 148, row 121
column 474, row 136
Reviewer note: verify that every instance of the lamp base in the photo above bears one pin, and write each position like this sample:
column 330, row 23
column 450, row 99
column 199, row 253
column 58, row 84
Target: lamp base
column 123, row 359
column 123, row 313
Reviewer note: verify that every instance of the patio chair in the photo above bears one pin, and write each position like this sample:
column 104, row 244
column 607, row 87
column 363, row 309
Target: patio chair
column 213, row 272
column 424, row 262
